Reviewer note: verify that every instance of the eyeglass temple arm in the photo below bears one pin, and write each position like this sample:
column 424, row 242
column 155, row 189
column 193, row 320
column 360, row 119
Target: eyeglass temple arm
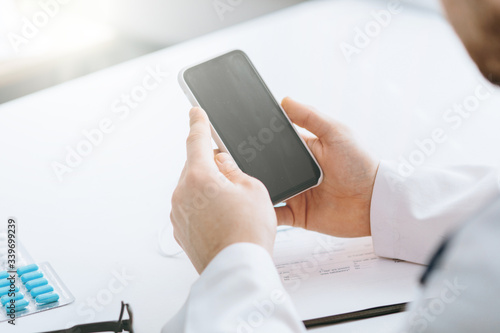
column 106, row 326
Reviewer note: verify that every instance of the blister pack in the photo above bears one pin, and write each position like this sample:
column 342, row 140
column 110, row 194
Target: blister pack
column 28, row 288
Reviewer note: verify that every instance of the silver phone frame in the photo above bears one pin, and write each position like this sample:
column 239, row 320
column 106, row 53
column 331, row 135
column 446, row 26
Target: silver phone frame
column 222, row 147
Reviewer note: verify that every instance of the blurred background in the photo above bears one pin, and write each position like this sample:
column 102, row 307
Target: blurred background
column 46, row 42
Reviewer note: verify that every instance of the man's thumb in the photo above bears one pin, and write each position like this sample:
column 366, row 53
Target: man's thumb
column 228, row 167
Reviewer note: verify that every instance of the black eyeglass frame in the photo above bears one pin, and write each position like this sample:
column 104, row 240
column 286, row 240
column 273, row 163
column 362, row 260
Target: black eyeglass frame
column 105, row 326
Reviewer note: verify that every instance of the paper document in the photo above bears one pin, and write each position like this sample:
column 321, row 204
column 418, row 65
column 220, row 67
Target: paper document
column 327, row 275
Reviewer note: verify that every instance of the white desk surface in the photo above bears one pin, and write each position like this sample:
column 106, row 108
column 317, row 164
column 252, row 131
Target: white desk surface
column 105, row 216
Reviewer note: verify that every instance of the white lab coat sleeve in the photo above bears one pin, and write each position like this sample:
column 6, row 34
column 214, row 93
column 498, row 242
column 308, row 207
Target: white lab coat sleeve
column 412, row 212
column 239, row 292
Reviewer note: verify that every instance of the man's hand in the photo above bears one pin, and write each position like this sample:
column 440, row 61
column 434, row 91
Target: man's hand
column 215, row 204
column 340, row 206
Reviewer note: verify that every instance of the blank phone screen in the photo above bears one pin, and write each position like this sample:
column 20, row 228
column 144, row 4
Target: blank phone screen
column 252, row 125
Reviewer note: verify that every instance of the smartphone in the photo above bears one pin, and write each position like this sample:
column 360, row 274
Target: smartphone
column 248, row 123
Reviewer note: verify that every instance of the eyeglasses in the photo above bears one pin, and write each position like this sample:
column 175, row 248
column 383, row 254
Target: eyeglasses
column 105, row 326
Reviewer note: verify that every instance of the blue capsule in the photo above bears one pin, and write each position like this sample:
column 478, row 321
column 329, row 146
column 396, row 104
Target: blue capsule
column 41, row 290
column 6, row 290
column 6, row 299
column 31, row 276
column 18, row 306
column 4, row 283
column 47, row 298
column 27, row 269
column 36, row 283
column 4, row 275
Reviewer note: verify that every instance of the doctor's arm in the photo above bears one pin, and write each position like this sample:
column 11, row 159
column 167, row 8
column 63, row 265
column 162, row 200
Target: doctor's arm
column 225, row 221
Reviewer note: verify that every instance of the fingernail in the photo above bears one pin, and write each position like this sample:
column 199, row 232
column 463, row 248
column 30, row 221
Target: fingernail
column 223, row 158
column 192, row 112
